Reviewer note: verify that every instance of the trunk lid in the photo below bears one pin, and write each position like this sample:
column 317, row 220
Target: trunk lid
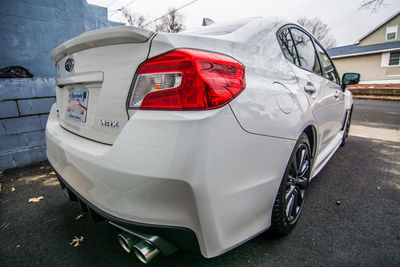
column 95, row 72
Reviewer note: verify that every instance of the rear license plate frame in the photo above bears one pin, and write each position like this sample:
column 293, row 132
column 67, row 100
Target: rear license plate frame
column 78, row 102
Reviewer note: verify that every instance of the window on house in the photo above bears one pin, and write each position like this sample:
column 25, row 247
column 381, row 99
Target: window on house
column 394, row 59
column 391, row 32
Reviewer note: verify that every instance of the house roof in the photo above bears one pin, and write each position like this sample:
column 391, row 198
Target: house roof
column 354, row 50
column 377, row 27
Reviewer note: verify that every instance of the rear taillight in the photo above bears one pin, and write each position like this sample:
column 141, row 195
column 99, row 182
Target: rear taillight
column 187, row 79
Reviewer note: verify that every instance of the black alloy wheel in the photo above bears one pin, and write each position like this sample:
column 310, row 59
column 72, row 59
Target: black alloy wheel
column 290, row 199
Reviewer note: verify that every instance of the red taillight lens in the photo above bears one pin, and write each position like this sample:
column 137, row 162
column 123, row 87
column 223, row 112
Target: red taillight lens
column 187, row 79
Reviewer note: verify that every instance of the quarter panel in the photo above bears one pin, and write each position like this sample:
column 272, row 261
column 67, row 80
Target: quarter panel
column 271, row 104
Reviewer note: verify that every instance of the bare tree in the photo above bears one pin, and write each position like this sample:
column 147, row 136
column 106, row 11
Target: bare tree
column 319, row 29
column 172, row 22
column 373, row 5
column 133, row 18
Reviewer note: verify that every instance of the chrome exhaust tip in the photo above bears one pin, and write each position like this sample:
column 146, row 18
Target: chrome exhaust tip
column 145, row 251
column 127, row 242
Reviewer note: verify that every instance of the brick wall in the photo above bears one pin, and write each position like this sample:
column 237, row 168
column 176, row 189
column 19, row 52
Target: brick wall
column 24, row 108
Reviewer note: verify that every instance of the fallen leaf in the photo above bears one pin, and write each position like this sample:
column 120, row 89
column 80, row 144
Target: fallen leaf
column 12, row 189
column 338, row 202
column 76, row 241
column 53, row 173
column 35, row 199
column 78, row 217
column 18, row 246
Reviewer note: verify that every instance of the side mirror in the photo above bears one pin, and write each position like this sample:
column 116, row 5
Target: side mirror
column 350, row 78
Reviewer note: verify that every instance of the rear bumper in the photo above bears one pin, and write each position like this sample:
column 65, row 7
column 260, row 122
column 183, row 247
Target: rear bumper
column 176, row 170
column 181, row 238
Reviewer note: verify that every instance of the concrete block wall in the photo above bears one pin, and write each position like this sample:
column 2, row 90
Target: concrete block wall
column 31, row 29
column 24, row 109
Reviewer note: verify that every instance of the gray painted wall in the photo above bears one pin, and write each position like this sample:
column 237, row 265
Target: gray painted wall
column 24, row 108
column 29, row 31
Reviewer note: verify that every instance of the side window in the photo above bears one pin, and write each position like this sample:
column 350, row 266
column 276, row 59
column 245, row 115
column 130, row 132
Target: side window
column 305, row 49
column 329, row 70
column 287, row 45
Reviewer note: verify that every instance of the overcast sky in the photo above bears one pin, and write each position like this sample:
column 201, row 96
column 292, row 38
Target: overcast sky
column 346, row 22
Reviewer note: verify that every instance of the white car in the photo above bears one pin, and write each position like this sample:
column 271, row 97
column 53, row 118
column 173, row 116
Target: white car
column 196, row 141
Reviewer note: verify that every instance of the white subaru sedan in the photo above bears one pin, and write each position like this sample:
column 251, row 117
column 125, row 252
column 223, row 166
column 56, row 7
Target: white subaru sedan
column 196, row 141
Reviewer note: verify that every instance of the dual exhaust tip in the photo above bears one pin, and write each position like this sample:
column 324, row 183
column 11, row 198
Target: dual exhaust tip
column 144, row 250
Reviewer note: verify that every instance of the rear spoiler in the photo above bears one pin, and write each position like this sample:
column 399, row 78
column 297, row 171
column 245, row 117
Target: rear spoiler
column 102, row 37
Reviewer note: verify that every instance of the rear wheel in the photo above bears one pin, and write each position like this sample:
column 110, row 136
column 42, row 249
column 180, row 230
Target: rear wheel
column 292, row 191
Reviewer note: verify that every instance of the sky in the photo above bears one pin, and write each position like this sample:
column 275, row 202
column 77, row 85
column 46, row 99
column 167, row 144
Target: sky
column 346, row 22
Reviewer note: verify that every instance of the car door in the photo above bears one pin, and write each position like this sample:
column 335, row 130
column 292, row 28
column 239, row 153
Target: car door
column 322, row 93
column 332, row 86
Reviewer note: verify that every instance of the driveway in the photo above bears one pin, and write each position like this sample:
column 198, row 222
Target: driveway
column 363, row 176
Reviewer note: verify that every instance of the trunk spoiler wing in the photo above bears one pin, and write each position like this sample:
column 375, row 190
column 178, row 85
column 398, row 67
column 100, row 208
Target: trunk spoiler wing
column 102, row 37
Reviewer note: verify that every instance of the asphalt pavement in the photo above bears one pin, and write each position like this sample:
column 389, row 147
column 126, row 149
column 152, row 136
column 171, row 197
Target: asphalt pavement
column 380, row 114
column 364, row 230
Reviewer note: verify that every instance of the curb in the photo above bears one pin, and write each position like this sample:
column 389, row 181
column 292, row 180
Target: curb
column 386, row 92
column 375, row 97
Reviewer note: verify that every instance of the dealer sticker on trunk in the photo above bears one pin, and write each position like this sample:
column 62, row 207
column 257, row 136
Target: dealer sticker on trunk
column 77, row 104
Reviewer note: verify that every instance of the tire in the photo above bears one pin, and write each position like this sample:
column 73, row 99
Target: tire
column 289, row 201
column 347, row 128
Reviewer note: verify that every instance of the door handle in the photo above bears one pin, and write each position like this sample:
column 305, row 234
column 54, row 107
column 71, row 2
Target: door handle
column 336, row 94
column 309, row 88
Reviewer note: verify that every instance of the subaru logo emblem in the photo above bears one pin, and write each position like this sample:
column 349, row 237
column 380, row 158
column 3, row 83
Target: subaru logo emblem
column 69, row 64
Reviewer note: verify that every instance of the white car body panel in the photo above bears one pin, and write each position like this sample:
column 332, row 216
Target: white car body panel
column 214, row 172
column 194, row 172
column 106, row 73
column 265, row 95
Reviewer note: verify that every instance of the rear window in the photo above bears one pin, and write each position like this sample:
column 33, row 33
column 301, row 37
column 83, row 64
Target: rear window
column 220, row 29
